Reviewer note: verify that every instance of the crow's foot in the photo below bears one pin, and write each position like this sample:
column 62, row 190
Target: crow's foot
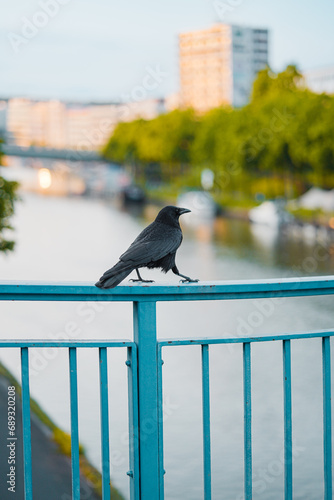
column 188, row 280
column 143, row 281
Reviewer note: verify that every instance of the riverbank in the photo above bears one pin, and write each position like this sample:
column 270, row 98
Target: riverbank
column 234, row 208
column 51, row 448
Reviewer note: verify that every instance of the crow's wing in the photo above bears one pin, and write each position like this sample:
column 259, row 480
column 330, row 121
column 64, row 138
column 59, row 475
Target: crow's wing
column 154, row 243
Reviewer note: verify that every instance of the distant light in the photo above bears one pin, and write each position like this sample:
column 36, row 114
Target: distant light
column 331, row 222
column 207, row 178
column 44, row 178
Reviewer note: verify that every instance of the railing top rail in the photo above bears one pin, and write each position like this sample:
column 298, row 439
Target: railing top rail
column 203, row 290
column 65, row 343
column 242, row 340
column 164, row 342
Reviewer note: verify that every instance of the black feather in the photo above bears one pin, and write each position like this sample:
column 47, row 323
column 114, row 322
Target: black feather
column 155, row 247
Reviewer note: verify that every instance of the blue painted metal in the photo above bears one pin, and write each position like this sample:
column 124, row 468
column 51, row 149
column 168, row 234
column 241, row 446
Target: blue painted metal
column 133, row 422
column 74, row 424
column 65, row 343
column 327, row 412
column 26, row 423
column 163, row 342
column 247, row 421
column 287, row 420
column 104, row 423
column 213, row 290
column 206, row 422
column 145, row 379
column 146, row 339
column 242, row 340
column 160, row 421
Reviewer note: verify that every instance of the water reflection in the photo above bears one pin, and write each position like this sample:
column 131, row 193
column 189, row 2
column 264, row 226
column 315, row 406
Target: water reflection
column 265, row 236
column 77, row 239
column 295, row 250
column 274, row 246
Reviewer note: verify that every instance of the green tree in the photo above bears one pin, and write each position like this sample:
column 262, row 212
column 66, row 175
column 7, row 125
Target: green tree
column 280, row 143
column 7, row 198
column 269, row 83
column 165, row 139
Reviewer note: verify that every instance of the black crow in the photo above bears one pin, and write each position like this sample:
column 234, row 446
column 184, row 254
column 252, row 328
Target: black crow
column 155, row 246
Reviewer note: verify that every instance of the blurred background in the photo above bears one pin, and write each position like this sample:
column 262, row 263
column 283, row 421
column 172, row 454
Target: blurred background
column 108, row 112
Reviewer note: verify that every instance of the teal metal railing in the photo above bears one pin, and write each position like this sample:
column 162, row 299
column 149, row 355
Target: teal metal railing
column 73, row 346
column 144, row 361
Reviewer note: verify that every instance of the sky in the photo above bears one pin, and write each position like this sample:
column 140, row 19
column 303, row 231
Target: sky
column 103, row 50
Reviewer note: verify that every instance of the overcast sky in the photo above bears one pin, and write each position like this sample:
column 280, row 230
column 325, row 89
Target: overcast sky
column 104, row 50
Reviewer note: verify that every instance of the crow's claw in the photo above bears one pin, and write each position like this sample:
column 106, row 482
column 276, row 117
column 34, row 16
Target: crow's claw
column 143, row 281
column 189, row 281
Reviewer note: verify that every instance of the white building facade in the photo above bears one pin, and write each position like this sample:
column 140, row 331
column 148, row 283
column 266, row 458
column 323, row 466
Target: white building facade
column 320, row 80
column 72, row 126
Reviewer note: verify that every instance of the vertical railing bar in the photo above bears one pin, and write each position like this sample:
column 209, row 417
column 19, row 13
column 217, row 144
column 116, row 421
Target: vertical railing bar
column 104, row 410
column 145, row 336
column 327, row 417
column 287, row 420
column 206, row 422
column 247, row 421
column 74, row 424
column 26, row 423
column 160, row 421
column 133, row 423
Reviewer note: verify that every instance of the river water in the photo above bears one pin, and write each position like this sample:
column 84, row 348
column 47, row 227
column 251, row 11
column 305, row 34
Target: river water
column 77, row 239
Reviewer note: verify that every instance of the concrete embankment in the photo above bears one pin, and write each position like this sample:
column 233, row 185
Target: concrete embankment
column 51, row 469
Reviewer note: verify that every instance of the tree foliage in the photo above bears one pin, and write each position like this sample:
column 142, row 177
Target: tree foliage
column 285, row 132
column 166, row 139
column 7, row 198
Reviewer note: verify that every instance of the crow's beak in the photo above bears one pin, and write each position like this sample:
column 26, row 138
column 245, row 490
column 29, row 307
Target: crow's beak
column 184, row 211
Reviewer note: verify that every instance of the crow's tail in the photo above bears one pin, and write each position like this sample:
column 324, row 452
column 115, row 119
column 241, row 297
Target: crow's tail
column 115, row 275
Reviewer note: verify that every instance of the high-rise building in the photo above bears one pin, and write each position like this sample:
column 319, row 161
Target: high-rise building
column 218, row 65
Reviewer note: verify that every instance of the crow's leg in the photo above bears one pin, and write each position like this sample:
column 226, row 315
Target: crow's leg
column 141, row 279
column 186, row 278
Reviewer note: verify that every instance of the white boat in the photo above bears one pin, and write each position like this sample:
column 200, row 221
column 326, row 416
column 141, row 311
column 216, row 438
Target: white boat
column 316, row 198
column 270, row 213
